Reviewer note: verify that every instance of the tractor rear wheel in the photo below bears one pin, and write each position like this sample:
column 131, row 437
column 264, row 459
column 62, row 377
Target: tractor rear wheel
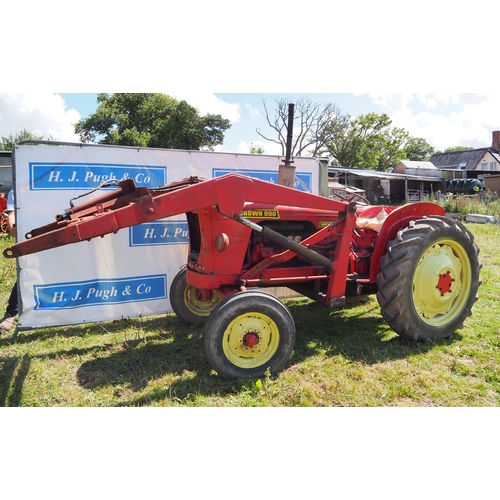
column 189, row 303
column 429, row 278
column 247, row 334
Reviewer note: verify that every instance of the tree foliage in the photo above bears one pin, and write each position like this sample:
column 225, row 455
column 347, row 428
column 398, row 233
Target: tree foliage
column 418, row 149
column 151, row 120
column 367, row 142
column 7, row 143
column 256, row 149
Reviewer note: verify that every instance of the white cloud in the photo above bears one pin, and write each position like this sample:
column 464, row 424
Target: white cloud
column 254, row 112
column 270, row 148
column 434, row 100
column 43, row 114
column 391, row 101
column 206, row 102
column 395, row 101
column 243, row 147
column 444, row 119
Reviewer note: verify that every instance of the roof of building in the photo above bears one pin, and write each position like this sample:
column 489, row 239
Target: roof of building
column 467, row 159
column 418, row 164
column 375, row 174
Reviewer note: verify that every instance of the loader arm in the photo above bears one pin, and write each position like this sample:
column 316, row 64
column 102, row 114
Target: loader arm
column 129, row 206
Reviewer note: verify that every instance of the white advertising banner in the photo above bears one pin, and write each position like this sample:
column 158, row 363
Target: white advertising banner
column 123, row 275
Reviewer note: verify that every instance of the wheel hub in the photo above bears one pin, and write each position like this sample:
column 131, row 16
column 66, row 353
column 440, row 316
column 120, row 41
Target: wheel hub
column 250, row 339
column 444, row 283
column 437, row 281
column 203, row 295
column 200, row 302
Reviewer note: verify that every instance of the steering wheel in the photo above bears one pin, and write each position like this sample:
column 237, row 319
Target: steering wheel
column 348, row 197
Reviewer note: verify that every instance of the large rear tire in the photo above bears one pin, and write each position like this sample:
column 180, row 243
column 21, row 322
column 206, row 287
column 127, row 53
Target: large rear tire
column 247, row 334
column 189, row 303
column 429, row 278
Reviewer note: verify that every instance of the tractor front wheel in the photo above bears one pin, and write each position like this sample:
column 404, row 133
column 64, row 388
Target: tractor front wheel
column 429, row 278
column 247, row 334
column 189, row 303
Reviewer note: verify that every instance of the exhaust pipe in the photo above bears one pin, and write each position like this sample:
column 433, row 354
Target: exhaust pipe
column 286, row 172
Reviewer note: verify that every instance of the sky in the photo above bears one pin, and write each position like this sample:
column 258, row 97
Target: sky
column 442, row 119
column 413, row 64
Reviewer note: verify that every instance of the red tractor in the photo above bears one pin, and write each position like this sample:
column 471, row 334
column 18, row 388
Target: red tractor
column 246, row 235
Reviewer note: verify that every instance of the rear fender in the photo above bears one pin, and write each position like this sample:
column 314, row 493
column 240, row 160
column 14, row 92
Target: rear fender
column 396, row 220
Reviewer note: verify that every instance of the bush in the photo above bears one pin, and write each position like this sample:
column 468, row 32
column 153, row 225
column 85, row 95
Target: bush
column 484, row 203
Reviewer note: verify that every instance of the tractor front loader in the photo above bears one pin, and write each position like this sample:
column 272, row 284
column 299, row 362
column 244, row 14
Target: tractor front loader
column 246, row 235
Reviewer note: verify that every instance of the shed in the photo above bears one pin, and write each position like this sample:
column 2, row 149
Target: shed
column 418, row 168
column 403, row 187
column 6, row 180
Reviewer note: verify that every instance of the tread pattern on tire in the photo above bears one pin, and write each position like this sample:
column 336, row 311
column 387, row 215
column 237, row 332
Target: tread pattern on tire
column 396, row 271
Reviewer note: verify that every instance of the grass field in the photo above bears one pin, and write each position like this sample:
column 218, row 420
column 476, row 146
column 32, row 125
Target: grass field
column 348, row 358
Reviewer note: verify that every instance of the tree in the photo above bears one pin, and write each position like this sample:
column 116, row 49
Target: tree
column 369, row 142
column 357, row 142
column 418, row 149
column 393, row 144
column 151, row 120
column 310, row 125
column 8, row 143
column 454, row 149
column 256, row 149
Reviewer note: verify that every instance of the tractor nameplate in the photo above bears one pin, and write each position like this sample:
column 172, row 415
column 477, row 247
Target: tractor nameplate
column 261, row 214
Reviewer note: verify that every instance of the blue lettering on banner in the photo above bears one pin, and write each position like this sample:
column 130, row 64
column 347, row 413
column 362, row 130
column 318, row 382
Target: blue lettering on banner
column 66, row 175
column 159, row 233
column 100, row 291
column 303, row 180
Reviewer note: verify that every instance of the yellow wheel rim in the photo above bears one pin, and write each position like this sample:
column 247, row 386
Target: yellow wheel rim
column 441, row 281
column 197, row 303
column 251, row 340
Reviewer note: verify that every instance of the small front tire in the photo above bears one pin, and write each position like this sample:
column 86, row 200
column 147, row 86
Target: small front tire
column 247, row 334
column 189, row 303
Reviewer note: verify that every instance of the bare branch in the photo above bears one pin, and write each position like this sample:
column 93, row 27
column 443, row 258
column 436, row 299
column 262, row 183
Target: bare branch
column 278, row 126
column 312, row 122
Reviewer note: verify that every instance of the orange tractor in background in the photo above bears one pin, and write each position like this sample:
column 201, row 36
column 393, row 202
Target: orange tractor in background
column 3, row 216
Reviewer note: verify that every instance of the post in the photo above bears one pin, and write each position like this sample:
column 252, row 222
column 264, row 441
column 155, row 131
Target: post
column 323, row 177
column 286, row 172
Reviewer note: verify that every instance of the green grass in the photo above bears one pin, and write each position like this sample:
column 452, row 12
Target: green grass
column 346, row 357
